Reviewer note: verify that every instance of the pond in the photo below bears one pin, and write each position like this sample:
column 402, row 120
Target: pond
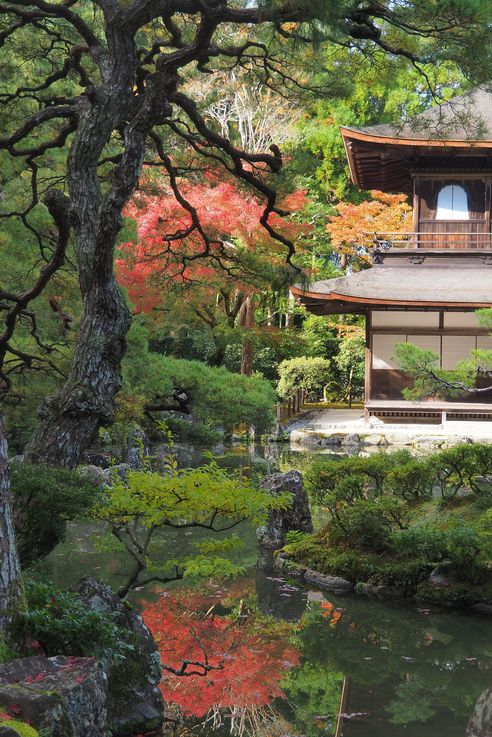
column 362, row 668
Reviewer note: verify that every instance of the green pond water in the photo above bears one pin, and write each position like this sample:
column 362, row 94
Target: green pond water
column 366, row 668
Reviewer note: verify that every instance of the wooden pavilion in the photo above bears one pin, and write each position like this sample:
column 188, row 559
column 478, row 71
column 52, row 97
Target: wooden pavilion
column 423, row 286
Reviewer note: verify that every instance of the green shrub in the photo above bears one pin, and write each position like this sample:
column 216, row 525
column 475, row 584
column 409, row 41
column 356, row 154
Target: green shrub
column 461, row 467
column 63, row 625
column 457, row 595
column 372, row 502
column 366, row 524
column 22, row 729
column 45, row 498
column 350, row 564
column 411, row 480
column 459, row 544
column 420, row 542
column 484, row 529
column 197, row 434
column 378, row 466
column 346, row 563
column 304, row 372
column 323, row 478
column 6, row 653
column 295, row 536
column 216, row 397
column 405, row 575
column 265, row 359
column 462, row 546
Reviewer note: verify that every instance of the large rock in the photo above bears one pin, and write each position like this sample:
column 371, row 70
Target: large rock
column 483, row 607
column 60, row 696
column 480, row 724
column 432, row 442
column 101, row 458
column 374, row 439
column 138, row 449
column 135, row 702
column 444, row 575
column 310, row 439
column 280, row 521
column 351, row 440
column 95, row 474
column 382, row 592
column 336, row 584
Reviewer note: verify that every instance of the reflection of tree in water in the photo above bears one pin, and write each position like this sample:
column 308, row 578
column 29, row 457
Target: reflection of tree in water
column 314, row 691
column 418, row 666
column 410, row 672
column 276, row 596
column 224, row 671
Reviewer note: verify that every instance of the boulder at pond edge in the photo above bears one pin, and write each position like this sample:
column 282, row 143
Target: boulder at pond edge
column 135, row 702
column 60, row 696
column 280, row 521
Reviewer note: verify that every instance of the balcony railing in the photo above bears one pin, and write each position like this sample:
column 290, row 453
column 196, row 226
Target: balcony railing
column 452, row 239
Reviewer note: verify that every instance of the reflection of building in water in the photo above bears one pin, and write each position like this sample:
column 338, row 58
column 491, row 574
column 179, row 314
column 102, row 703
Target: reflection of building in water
column 424, row 286
column 276, row 596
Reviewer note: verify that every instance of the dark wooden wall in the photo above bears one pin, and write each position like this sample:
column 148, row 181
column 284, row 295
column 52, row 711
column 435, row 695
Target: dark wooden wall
column 389, row 383
column 460, row 234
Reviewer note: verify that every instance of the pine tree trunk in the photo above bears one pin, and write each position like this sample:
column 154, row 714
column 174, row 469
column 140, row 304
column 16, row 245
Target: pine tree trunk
column 247, row 320
column 70, row 420
column 10, row 579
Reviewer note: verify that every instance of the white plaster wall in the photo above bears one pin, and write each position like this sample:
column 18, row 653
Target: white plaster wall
column 383, row 347
column 411, row 319
column 456, row 348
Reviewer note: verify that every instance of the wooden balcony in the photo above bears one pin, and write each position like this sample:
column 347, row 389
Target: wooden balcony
column 464, row 236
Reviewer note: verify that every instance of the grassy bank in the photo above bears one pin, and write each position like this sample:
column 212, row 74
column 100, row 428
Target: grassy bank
column 418, row 526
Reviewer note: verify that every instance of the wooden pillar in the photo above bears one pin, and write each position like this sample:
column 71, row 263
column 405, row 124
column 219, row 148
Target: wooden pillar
column 416, row 213
column 488, row 204
column 368, row 364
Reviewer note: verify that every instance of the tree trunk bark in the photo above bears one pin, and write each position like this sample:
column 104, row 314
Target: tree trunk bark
column 70, row 420
column 247, row 320
column 10, row 579
column 218, row 356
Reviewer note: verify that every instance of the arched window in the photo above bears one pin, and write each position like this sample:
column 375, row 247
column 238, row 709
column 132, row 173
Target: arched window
column 452, row 203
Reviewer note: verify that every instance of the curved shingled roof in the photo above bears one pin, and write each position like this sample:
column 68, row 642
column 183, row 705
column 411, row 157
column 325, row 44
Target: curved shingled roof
column 410, row 285
column 454, row 136
column 466, row 118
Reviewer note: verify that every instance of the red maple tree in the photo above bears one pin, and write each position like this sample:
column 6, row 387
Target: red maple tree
column 213, row 662
column 216, row 240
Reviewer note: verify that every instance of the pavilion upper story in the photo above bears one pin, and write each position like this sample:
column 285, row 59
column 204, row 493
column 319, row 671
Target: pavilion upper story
column 443, row 161
column 425, row 284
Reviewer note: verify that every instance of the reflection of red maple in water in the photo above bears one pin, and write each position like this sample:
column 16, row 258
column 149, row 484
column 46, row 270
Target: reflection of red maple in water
column 246, row 669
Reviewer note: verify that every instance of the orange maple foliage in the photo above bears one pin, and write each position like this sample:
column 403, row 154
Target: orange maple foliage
column 355, row 225
column 245, row 668
column 329, row 611
column 169, row 248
